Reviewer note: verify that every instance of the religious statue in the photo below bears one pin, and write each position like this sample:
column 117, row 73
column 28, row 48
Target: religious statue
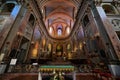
column 58, row 76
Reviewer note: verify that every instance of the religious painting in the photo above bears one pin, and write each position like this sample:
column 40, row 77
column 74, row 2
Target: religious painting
column 59, row 50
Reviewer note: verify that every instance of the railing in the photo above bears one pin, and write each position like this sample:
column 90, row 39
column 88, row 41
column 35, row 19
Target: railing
column 36, row 68
column 94, row 74
column 23, row 69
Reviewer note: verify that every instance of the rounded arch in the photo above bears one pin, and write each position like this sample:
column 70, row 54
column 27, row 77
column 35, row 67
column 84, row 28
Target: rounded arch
column 59, row 31
column 60, row 19
column 8, row 7
column 68, row 3
column 66, row 16
column 109, row 9
column 56, row 23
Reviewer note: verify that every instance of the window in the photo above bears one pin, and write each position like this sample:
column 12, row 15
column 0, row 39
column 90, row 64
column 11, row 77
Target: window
column 85, row 20
column 59, row 31
column 31, row 20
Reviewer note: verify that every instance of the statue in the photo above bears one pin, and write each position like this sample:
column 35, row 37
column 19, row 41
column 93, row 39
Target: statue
column 58, row 76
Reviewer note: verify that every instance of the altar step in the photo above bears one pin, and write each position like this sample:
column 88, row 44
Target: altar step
column 46, row 76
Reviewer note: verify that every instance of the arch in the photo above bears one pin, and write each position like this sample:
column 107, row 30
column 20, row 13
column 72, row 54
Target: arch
column 56, row 23
column 8, row 7
column 60, row 19
column 31, row 19
column 109, row 9
column 68, row 3
column 64, row 15
column 59, row 31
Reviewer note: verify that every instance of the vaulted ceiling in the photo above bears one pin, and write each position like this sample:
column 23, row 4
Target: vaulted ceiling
column 59, row 16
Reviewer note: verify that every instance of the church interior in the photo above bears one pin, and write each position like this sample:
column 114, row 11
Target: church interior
column 59, row 39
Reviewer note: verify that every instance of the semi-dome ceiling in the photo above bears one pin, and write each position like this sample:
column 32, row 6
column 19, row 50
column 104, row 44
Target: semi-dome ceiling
column 59, row 16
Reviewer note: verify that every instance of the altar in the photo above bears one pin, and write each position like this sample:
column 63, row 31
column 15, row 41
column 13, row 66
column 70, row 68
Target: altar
column 51, row 68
